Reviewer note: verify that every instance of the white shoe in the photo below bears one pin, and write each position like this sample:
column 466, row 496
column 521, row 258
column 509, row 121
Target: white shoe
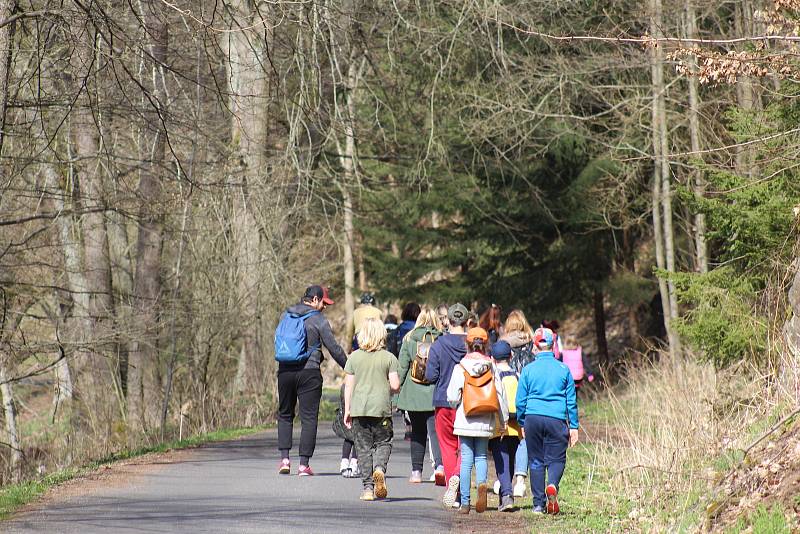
column 449, row 497
column 519, row 487
column 354, row 465
column 496, row 487
column 432, row 478
column 344, row 467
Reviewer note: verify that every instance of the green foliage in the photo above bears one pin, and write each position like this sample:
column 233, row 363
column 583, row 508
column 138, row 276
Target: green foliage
column 750, row 235
column 763, row 521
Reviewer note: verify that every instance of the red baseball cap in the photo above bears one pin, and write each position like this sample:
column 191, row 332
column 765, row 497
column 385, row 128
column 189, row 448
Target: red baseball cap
column 320, row 292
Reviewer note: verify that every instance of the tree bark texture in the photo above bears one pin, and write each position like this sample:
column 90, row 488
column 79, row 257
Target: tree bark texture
column 144, row 364
column 662, row 196
column 696, row 175
column 245, row 48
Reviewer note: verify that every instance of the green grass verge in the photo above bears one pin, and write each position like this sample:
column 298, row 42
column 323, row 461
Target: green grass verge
column 13, row 496
column 585, row 499
column 762, row 521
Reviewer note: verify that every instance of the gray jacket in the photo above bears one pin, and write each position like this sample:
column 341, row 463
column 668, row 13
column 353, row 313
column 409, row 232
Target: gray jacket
column 318, row 332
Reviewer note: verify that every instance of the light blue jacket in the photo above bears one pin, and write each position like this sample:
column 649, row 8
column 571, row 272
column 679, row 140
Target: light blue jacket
column 546, row 388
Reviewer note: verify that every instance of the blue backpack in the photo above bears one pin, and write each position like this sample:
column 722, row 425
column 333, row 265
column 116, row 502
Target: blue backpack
column 291, row 342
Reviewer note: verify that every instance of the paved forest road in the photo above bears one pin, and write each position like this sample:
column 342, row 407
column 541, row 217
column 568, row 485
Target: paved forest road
column 234, row 487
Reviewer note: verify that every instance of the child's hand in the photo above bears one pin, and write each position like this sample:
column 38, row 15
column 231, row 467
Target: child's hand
column 573, row 437
column 348, row 420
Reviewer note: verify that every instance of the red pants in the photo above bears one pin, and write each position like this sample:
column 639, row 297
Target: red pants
column 448, row 442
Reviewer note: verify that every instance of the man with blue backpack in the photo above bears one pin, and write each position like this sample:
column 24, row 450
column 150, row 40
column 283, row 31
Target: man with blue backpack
column 299, row 338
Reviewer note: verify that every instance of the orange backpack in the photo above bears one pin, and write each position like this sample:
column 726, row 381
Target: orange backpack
column 420, row 362
column 479, row 396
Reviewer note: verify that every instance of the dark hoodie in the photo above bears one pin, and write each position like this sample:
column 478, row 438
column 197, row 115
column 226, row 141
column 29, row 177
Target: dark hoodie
column 318, row 333
column 444, row 355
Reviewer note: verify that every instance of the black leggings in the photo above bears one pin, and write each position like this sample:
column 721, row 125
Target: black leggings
column 419, row 438
column 348, row 450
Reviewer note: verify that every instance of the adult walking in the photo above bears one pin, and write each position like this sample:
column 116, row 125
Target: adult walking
column 446, row 352
column 408, row 318
column 547, row 411
column 416, row 396
column 519, row 335
column 299, row 355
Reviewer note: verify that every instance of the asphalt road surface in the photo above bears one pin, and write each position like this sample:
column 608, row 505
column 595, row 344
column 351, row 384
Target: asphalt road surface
column 234, row 487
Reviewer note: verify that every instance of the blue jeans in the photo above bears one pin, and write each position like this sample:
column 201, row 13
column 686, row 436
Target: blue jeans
column 503, row 451
column 547, row 439
column 473, row 451
column 521, row 459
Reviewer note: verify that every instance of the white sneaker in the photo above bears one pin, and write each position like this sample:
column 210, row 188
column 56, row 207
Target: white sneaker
column 354, row 465
column 344, row 467
column 450, row 494
column 496, row 487
column 519, row 487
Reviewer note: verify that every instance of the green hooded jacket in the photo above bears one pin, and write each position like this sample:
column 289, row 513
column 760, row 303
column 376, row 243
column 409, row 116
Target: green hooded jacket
column 414, row 397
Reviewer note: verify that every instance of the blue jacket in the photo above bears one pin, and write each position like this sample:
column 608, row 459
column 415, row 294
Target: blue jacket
column 444, row 355
column 546, row 388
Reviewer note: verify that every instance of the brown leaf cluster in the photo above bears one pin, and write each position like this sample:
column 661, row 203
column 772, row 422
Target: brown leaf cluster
column 714, row 67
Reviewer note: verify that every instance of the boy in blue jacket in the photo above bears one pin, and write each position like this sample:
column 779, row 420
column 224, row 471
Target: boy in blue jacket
column 547, row 411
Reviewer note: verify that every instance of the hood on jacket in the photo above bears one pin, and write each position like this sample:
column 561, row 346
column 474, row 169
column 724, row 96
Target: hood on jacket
column 300, row 308
column 516, row 339
column 476, row 364
column 455, row 345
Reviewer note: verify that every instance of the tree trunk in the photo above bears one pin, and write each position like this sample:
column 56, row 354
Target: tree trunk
column 600, row 328
column 143, row 367
column 6, row 37
column 696, row 176
column 97, row 385
column 245, row 49
column 10, row 417
column 349, row 166
column 662, row 194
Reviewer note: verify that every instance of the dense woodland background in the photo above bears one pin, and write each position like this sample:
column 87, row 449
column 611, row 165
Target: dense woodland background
column 174, row 173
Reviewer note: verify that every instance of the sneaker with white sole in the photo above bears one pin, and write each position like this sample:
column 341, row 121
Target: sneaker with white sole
column 450, row 493
column 285, row 467
column 305, row 471
column 344, row 467
column 496, row 487
column 518, row 491
column 416, row 477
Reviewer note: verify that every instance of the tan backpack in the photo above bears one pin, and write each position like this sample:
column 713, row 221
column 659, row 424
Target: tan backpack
column 420, row 361
column 479, row 396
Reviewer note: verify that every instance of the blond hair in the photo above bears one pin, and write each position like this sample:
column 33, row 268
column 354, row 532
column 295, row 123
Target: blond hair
column 426, row 318
column 372, row 335
column 516, row 322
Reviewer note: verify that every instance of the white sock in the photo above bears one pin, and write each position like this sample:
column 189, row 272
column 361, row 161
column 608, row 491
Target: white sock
column 344, row 465
column 354, row 463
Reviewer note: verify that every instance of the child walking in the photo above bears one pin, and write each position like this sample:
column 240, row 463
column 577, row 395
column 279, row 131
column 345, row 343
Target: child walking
column 474, row 431
column 371, row 378
column 349, row 465
column 504, row 447
column 547, row 411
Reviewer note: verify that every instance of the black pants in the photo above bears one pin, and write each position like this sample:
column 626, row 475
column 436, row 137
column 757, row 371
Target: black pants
column 304, row 386
column 419, row 437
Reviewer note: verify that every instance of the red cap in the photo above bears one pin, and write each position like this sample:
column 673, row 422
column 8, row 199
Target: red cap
column 325, row 297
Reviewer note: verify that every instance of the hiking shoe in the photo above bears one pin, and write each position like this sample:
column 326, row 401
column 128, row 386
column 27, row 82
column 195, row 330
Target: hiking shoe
column 285, row 467
column 380, row 484
column 538, row 510
column 438, row 476
column 519, row 487
column 464, row 509
column 552, row 499
column 450, row 493
column 506, row 504
column 367, row 495
column 416, row 477
column 305, row 471
column 480, row 504
column 496, row 487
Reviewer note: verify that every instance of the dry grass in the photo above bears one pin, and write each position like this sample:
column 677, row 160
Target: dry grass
column 681, row 426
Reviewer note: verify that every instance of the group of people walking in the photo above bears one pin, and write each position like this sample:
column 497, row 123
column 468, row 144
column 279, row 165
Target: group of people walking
column 468, row 385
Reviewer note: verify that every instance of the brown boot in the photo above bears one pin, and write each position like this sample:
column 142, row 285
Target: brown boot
column 464, row 509
column 480, row 504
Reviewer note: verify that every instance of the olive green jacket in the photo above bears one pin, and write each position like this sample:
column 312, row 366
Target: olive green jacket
column 414, row 397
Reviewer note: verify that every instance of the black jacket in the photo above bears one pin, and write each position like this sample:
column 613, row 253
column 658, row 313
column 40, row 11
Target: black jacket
column 318, row 332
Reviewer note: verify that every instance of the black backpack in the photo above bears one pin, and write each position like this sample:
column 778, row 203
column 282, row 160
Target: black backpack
column 522, row 356
column 392, row 344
